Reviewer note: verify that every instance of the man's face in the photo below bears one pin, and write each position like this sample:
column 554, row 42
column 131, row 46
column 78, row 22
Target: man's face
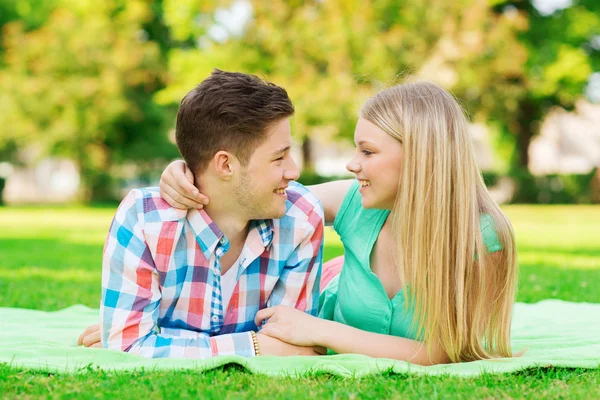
column 261, row 186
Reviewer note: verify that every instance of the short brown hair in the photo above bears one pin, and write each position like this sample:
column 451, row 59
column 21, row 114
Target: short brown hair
column 228, row 111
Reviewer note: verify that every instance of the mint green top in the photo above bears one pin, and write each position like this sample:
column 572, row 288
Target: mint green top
column 356, row 297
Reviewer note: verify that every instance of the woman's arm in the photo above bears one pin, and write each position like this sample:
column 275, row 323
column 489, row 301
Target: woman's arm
column 177, row 188
column 295, row 327
column 331, row 195
column 346, row 339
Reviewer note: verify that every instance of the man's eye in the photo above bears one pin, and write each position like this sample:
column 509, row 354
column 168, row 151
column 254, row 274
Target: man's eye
column 279, row 159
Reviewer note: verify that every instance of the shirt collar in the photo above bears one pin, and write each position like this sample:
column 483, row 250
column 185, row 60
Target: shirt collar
column 265, row 230
column 210, row 237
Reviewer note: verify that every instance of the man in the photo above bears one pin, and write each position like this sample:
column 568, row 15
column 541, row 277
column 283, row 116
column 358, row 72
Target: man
column 179, row 283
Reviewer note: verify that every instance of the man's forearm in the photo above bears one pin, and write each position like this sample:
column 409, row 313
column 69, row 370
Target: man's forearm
column 180, row 343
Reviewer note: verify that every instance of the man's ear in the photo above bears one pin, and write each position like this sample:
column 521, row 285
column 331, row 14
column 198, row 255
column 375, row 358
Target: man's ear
column 225, row 164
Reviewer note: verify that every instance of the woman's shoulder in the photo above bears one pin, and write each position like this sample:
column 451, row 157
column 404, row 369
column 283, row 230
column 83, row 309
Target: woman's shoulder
column 352, row 214
column 348, row 210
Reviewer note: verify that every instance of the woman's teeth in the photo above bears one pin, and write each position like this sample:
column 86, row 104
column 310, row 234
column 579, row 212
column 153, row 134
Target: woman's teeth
column 364, row 183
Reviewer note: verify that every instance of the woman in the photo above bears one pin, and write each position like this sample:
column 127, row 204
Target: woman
column 429, row 269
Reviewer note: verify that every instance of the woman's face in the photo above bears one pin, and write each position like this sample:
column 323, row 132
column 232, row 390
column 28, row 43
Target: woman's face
column 376, row 163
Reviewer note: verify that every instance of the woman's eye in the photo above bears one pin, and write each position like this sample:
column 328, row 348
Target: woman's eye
column 367, row 152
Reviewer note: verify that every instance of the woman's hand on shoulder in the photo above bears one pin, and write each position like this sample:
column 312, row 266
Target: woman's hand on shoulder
column 177, row 187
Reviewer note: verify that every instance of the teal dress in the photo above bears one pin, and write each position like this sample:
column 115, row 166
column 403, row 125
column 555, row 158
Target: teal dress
column 356, row 297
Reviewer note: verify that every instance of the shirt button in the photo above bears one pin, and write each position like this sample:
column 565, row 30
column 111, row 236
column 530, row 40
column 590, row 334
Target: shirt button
column 222, row 240
column 215, row 318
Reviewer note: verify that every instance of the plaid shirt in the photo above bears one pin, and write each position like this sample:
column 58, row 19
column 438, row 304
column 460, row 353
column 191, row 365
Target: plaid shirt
column 161, row 276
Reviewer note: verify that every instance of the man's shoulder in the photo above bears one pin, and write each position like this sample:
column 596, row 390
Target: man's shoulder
column 151, row 207
column 302, row 204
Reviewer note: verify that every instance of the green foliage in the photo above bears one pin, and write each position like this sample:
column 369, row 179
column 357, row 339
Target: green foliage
column 332, row 55
column 81, row 86
column 99, row 81
column 553, row 188
column 560, row 59
column 31, row 13
column 490, row 178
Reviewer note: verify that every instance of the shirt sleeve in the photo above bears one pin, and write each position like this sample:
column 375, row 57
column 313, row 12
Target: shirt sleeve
column 344, row 219
column 328, row 300
column 298, row 285
column 131, row 296
column 488, row 233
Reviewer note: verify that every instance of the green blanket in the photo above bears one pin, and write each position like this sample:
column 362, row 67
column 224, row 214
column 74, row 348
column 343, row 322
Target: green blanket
column 554, row 332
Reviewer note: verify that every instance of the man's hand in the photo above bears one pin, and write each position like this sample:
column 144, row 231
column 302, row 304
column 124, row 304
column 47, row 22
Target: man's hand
column 177, row 187
column 90, row 337
column 270, row 346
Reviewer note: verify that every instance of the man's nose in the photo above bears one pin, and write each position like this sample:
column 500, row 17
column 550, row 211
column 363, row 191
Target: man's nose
column 291, row 172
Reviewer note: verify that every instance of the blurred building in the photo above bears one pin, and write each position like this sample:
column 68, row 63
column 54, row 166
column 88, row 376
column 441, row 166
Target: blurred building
column 50, row 180
column 569, row 142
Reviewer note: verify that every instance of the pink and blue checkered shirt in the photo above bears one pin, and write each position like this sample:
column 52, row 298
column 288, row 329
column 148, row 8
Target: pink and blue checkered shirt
column 161, row 276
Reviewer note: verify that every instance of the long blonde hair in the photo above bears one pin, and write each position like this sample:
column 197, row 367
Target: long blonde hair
column 462, row 294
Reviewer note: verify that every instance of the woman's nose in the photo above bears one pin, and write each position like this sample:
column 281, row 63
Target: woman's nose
column 353, row 166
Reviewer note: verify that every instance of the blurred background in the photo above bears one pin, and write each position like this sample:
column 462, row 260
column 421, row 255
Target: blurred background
column 89, row 89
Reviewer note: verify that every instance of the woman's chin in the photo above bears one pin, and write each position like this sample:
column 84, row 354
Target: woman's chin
column 366, row 203
column 379, row 205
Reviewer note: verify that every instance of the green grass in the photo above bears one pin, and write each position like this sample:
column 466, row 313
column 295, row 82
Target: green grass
column 51, row 260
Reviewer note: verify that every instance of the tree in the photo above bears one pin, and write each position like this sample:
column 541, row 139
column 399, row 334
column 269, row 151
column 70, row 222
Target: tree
column 31, row 13
column 331, row 55
column 560, row 58
column 81, row 86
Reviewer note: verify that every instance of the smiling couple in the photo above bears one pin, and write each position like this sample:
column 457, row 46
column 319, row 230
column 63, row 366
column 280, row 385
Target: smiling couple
column 226, row 257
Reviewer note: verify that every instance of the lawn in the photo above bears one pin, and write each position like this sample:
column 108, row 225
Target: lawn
column 51, row 260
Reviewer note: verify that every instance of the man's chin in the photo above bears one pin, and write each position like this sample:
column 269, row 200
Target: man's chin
column 274, row 212
column 278, row 213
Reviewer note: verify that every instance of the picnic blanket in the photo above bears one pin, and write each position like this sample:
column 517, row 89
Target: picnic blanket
column 555, row 333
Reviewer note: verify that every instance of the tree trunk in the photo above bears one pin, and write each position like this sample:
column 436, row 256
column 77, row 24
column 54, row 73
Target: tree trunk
column 307, row 155
column 527, row 126
column 596, row 186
